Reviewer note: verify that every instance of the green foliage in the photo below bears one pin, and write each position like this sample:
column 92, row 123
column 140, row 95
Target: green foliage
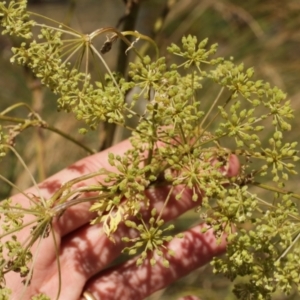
column 180, row 141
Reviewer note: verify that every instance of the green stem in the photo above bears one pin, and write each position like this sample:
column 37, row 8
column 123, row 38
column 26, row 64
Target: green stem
column 48, row 127
column 77, row 46
column 10, row 232
column 217, row 114
column 58, row 29
column 28, row 172
column 71, row 30
column 12, row 107
column 35, row 257
column 58, row 194
column 128, row 23
column 58, row 209
column 276, row 189
column 143, row 37
column 211, row 108
column 150, row 153
column 182, row 134
column 107, row 68
column 70, row 138
column 16, row 187
column 115, row 31
column 165, row 203
column 295, row 240
column 57, row 252
column 213, row 119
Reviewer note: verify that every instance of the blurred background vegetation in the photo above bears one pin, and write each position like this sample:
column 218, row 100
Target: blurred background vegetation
column 264, row 34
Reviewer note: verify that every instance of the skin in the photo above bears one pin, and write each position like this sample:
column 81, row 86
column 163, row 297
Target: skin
column 85, row 252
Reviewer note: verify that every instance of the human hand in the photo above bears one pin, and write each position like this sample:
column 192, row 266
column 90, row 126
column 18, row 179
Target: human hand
column 85, row 252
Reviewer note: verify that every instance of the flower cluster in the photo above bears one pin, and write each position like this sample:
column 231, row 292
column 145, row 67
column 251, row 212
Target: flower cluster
column 184, row 139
